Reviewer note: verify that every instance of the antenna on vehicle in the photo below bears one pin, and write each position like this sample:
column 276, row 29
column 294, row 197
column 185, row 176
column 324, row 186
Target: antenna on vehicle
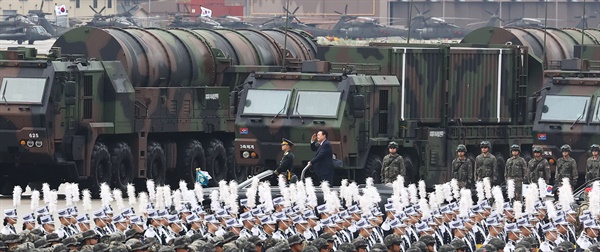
column 287, row 20
column 410, row 6
column 582, row 37
column 544, row 63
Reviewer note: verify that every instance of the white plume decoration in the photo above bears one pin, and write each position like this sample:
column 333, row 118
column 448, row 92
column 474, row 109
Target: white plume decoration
column 183, row 187
column 301, row 195
column 232, row 201
column 422, row 190
column 326, row 189
column 293, row 192
column 344, row 191
column 465, row 203
column 142, row 202
column 177, row 199
column 223, row 190
column 214, row 200
column 510, row 189
column 68, row 197
column 518, row 207
column 151, row 187
column 396, row 195
column 53, row 195
column 455, row 189
column 87, row 200
column 251, row 193
column 447, row 189
column 75, row 194
column 531, row 198
column 487, row 187
column 565, row 194
column 311, row 196
column 439, row 194
column 594, row 198
column 369, row 182
column 131, row 195
column 412, row 193
column 433, row 201
column 283, row 190
column 354, row 193
column 480, row 192
column 426, row 212
column 17, row 191
column 35, row 199
column 190, row 196
column 498, row 199
column 542, row 187
column 198, row 191
column 167, row 196
column 551, row 210
column 160, row 198
column 332, row 202
column 404, row 197
column 118, row 196
column 105, row 194
column 264, row 196
column 46, row 192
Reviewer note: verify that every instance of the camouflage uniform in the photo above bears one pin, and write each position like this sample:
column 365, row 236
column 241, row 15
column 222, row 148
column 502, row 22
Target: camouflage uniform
column 516, row 169
column 486, row 166
column 393, row 165
column 539, row 169
column 592, row 169
column 566, row 168
column 462, row 171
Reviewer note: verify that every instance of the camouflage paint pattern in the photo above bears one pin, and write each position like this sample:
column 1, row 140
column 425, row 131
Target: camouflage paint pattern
column 132, row 87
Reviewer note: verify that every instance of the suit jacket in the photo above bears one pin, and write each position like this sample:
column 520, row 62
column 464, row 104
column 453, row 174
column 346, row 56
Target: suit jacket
column 323, row 160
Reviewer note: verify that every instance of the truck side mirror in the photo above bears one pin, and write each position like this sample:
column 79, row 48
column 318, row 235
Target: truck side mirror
column 531, row 106
column 233, row 102
column 70, row 93
column 358, row 106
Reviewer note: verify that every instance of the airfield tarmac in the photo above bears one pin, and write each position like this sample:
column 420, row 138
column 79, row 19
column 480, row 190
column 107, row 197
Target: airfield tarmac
column 42, row 46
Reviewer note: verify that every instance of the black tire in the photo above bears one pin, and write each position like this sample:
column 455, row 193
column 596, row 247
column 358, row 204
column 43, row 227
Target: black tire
column 20, row 42
column 190, row 158
column 412, row 174
column 373, row 168
column 30, row 42
column 216, row 160
column 122, row 166
column 100, row 168
column 229, row 151
column 156, row 163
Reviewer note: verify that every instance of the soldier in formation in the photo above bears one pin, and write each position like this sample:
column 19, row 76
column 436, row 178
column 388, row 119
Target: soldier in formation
column 516, row 170
column 486, row 164
column 538, row 167
column 592, row 168
column 347, row 218
column 566, row 167
column 462, row 168
column 393, row 164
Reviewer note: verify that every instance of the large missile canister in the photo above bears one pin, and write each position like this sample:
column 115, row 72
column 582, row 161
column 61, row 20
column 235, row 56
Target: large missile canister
column 151, row 57
column 181, row 57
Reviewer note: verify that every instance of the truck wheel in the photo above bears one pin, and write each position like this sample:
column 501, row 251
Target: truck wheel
column 30, row 42
column 216, row 161
column 100, row 170
column 412, row 175
column 373, row 168
column 191, row 158
column 240, row 173
column 231, row 169
column 156, row 163
column 122, row 166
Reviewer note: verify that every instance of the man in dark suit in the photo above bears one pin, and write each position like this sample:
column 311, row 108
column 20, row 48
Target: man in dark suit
column 287, row 162
column 323, row 160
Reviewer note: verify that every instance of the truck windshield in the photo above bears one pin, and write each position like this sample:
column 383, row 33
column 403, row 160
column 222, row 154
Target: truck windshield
column 317, row 103
column 266, row 102
column 565, row 108
column 596, row 115
column 22, row 90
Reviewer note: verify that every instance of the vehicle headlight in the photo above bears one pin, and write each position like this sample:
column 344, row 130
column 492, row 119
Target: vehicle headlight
column 30, row 143
column 38, row 143
column 547, row 153
column 246, row 154
column 334, row 156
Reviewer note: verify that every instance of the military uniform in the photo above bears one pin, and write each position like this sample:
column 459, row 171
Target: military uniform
column 539, row 168
column 287, row 162
column 566, row 168
column 462, row 171
column 592, row 168
column 485, row 166
column 516, row 169
column 393, row 165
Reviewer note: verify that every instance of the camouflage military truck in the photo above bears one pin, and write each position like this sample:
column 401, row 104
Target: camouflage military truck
column 568, row 111
column 114, row 105
column 428, row 98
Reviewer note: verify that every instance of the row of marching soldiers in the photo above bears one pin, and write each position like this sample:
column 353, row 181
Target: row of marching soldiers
column 348, row 219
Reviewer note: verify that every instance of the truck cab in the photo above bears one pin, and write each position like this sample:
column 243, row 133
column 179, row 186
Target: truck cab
column 356, row 110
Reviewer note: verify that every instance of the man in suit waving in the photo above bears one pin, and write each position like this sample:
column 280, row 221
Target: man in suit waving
column 323, row 160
